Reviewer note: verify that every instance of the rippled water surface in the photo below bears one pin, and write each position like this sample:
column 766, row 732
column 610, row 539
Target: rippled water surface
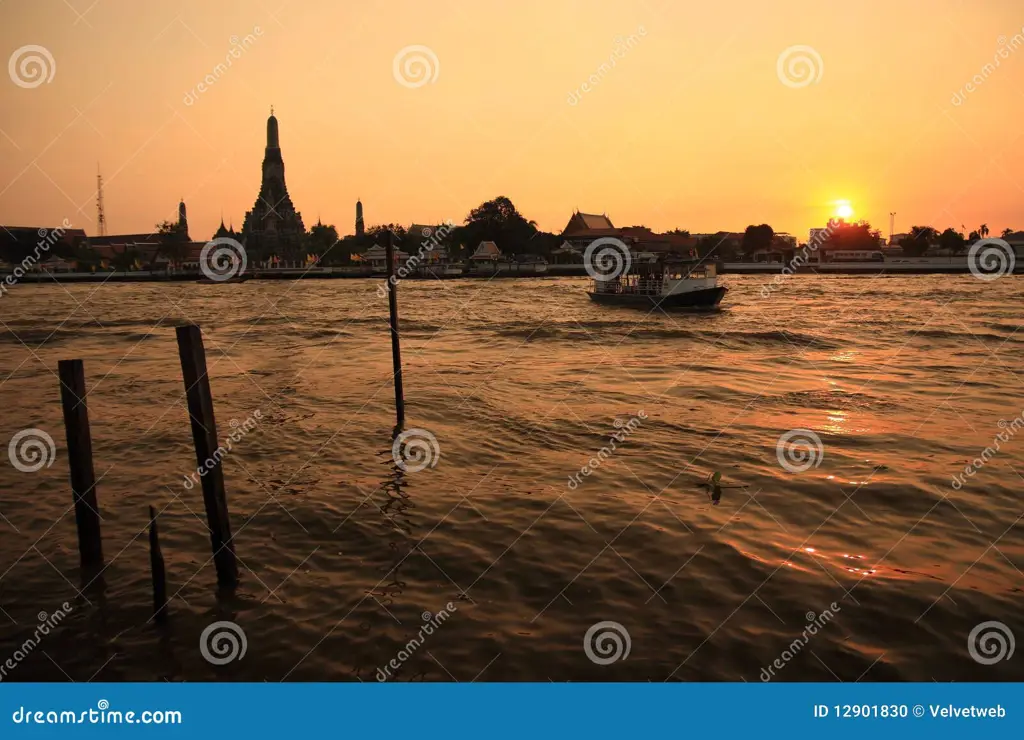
column 522, row 383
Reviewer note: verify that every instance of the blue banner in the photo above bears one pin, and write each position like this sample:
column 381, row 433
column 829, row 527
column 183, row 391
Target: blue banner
column 512, row 710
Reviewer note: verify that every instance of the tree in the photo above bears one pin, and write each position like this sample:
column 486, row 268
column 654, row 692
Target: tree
column 321, row 239
column 917, row 242
column 173, row 241
column 973, row 236
column 498, row 221
column 680, row 232
column 857, row 236
column 376, row 232
column 983, row 231
column 756, row 238
column 952, row 241
column 1008, row 232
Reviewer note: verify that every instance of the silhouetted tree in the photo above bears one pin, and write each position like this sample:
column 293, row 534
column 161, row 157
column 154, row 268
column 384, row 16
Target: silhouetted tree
column 917, row 242
column 376, row 232
column 321, row 239
column 1007, row 232
column 756, row 238
column 952, row 240
column 498, row 221
column 173, row 241
column 856, row 236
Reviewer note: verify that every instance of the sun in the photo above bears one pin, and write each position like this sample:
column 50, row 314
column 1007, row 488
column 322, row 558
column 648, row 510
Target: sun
column 844, row 210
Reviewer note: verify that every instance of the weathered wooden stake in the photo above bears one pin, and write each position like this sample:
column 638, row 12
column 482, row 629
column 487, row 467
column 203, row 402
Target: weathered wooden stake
column 396, row 349
column 204, row 437
column 156, row 564
column 83, row 477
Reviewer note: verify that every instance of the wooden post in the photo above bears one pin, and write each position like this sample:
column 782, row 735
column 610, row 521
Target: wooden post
column 396, row 349
column 83, row 477
column 204, row 437
column 156, row 564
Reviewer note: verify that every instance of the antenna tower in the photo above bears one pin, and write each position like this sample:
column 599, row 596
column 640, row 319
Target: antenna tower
column 101, row 219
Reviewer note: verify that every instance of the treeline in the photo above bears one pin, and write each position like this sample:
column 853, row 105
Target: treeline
column 496, row 220
column 921, row 239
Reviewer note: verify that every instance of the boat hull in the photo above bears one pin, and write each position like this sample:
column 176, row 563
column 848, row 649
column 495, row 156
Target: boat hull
column 705, row 298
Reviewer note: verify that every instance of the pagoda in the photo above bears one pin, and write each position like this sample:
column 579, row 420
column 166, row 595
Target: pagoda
column 273, row 226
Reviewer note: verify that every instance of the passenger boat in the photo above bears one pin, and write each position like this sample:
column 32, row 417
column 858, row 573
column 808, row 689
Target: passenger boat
column 667, row 282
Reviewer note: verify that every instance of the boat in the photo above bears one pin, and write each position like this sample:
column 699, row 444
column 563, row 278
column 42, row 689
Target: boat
column 665, row 282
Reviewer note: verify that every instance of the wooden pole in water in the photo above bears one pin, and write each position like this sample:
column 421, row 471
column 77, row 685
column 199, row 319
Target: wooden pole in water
column 396, row 348
column 156, row 564
column 83, row 477
column 204, row 437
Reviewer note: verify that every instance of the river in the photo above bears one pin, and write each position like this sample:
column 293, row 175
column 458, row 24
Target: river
column 845, row 552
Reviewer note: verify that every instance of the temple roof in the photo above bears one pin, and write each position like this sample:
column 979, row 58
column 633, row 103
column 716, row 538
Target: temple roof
column 587, row 221
column 486, row 251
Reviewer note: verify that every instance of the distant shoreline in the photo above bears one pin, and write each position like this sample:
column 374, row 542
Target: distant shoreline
column 328, row 273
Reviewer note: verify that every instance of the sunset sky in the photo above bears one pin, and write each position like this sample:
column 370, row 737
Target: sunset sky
column 691, row 128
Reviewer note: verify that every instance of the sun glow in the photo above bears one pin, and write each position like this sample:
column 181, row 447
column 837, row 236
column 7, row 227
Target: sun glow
column 844, row 210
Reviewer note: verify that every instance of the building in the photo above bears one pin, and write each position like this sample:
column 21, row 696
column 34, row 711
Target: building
column 360, row 226
column 486, row 252
column 376, row 257
column 25, row 246
column 224, row 232
column 273, row 226
column 584, row 228
column 1016, row 240
column 819, row 235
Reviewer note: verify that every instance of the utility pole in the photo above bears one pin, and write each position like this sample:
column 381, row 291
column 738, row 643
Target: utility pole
column 101, row 219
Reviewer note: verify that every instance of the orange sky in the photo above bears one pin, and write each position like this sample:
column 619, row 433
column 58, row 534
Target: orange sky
column 691, row 128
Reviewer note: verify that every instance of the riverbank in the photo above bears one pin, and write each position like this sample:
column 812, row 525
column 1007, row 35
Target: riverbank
column 907, row 267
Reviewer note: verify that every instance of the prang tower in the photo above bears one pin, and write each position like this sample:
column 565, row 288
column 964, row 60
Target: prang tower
column 273, row 226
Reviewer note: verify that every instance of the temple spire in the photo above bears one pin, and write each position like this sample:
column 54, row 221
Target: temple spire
column 272, row 138
column 182, row 217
